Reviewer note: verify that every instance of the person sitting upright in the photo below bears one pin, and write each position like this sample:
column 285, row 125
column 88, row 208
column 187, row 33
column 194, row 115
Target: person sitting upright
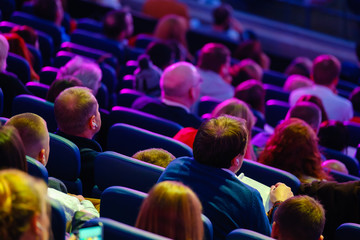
column 78, row 118
column 180, row 87
column 325, row 74
column 118, row 25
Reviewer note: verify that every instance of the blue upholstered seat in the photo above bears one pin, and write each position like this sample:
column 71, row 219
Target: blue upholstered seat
column 245, row 234
column 58, row 220
column 275, row 110
column 351, row 163
column 38, row 89
column 206, row 105
column 18, row 65
column 48, row 75
column 348, row 231
column 36, row 169
column 275, row 92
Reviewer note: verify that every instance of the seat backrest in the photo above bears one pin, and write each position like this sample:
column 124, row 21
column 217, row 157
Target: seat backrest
column 58, row 220
column 354, row 133
column 36, row 169
column 128, row 140
column 1, row 101
column 64, row 163
column 341, row 177
column 117, row 230
column 38, row 89
column 207, row 104
column 127, row 97
column 269, row 175
column 351, row 163
column 27, row 103
column 275, row 110
column 48, row 75
column 348, row 231
column 18, row 65
column 37, row 58
column 144, row 120
column 114, row 169
column 245, row 234
column 123, row 204
column 89, row 24
column 274, row 78
column 275, row 92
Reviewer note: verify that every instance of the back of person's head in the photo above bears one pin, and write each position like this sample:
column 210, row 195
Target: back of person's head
column 355, row 99
column 161, row 54
column 317, row 101
column 326, row 70
column 172, row 210
column 34, row 135
column 237, row 108
column 23, row 206
column 293, row 148
column 89, row 73
column 12, row 151
column 296, row 81
column 246, row 69
column 27, row 33
column 181, row 82
column 51, row 10
column 220, row 140
column 299, row 218
column 213, row 57
column 60, row 85
column 299, row 66
column 118, row 24
column 335, row 165
column 4, row 50
column 253, row 93
column 307, row 111
column 172, row 27
column 334, row 134
column 73, row 108
column 222, row 15
column 156, row 156
column 249, row 49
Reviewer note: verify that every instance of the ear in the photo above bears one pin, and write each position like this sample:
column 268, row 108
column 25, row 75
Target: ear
column 321, row 237
column 35, row 225
column 92, row 122
column 275, row 231
column 236, row 164
column 42, row 157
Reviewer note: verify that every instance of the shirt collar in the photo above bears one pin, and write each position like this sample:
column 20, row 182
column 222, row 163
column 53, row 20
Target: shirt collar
column 175, row 104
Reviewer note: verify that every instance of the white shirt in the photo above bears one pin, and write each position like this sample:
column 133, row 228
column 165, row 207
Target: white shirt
column 336, row 107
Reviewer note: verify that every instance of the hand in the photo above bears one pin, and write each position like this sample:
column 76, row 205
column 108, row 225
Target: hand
column 280, row 192
column 79, row 197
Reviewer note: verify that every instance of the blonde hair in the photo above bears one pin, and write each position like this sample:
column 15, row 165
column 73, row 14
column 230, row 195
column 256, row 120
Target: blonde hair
column 172, row 210
column 21, row 196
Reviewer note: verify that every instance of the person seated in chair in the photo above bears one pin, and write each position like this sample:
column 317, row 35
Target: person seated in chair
column 118, row 25
column 78, row 118
column 180, row 88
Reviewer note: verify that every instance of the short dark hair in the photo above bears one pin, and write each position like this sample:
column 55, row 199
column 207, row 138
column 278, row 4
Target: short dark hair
column 300, row 217
column 60, row 85
column 355, row 99
column 219, row 140
column 326, row 69
column 213, row 56
column 253, row 93
column 334, row 134
column 222, row 14
column 161, row 54
column 46, row 9
column 115, row 23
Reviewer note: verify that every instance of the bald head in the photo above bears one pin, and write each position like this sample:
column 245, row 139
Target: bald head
column 34, row 134
column 76, row 111
column 180, row 83
column 307, row 111
column 4, row 49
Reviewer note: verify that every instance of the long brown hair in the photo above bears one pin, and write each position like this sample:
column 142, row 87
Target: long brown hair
column 172, row 210
column 294, row 148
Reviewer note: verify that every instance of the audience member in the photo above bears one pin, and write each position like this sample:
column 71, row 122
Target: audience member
column 300, row 66
column 156, row 156
column 253, row 93
column 12, row 151
column 28, row 34
column 296, row 81
column 173, row 28
column 317, row 101
column 172, row 210
column 325, row 74
column 225, row 24
column 219, row 149
column 24, row 211
column 180, row 87
column 8, row 81
column 213, row 67
column 252, row 49
column 87, row 72
column 335, row 165
column 161, row 8
column 161, row 54
column 299, row 218
column 147, row 77
column 118, row 25
column 246, row 69
column 355, row 101
column 17, row 46
column 60, row 85
column 78, row 118
column 51, row 10
column 334, row 135
column 293, row 148
column 35, row 137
